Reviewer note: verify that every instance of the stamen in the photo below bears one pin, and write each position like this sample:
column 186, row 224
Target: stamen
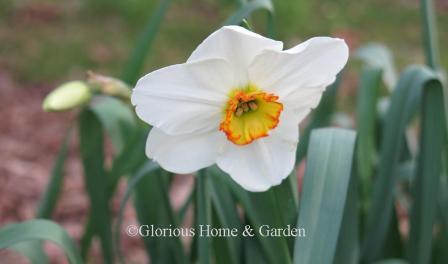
column 239, row 111
column 253, row 106
column 250, row 114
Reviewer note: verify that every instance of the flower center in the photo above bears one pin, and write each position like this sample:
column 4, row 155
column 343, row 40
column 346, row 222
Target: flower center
column 250, row 114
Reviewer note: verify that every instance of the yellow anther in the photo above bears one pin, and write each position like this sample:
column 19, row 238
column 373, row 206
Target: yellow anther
column 239, row 111
column 245, row 107
column 250, row 114
column 253, row 106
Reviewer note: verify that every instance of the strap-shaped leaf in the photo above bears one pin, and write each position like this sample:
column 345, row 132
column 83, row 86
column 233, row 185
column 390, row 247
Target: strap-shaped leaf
column 153, row 207
column 286, row 197
column 429, row 170
column 378, row 56
column 40, row 230
column 391, row 261
column 404, row 104
column 119, row 122
column 32, row 249
column 253, row 252
column 348, row 250
column 137, row 58
column 262, row 209
column 224, row 215
column 327, row 176
column 117, row 118
column 366, row 119
column 247, row 8
column 92, row 155
column 53, row 190
column 131, row 157
column 430, row 33
column 203, row 215
column 440, row 252
column 147, row 168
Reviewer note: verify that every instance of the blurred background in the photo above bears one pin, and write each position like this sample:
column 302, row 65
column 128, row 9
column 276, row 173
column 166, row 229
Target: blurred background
column 45, row 42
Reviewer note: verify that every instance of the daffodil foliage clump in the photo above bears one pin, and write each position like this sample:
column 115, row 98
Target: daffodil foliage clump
column 374, row 187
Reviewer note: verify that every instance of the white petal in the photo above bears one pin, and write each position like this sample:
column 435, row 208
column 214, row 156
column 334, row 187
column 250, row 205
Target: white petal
column 237, row 45
column 263, row 163
column 300, row 75
column 184, row 153
column 288, row 127
column 184, row 98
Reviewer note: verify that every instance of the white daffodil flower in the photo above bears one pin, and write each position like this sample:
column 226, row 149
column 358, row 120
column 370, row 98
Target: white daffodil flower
column 236, row 102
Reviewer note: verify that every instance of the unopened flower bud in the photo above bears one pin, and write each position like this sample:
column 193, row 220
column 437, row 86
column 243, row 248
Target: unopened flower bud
column 67, row 96
column 109, row 86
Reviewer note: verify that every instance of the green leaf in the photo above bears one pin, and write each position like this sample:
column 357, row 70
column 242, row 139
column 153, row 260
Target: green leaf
column 41, row 230
column 404, row 104
column 87, row 237
column 91, row 149
column 149, row 167
column 327, row 176
column 321, row 117
column 430, row 33
column 117, row 118
column 32, row 249
column 203, row 217
column 131, row 157
column 183, row 210
column 136, row 60
column 406, row 171
column 366, row 119
column 391, row 261
column 129, row 143
column 262, row 209
column 253, row 252
column 51, row 194
column 440, row 253
column 427, row 177
column 443, row 203
column 348, row 250
column 153, row 207
column 286, row 197
column 225, row 215
column 393, row 244
column 378, row 56
column 247, row 9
